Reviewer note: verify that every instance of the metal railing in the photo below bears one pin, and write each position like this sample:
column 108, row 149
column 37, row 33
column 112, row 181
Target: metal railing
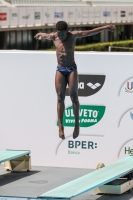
column 112, row 47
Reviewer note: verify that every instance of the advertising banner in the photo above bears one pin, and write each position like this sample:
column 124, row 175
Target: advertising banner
column 38, row 16
column 1, row 16
column 59, row 14
column 97, row 14
column 71, row 15
column 30, row 20
column 91, row 14
column 120, row 13
column 45, row 15
column 65, row 10
column 79, row 14
column 4, row 16
column 107, row 13
column 115, row 14
column 24, row 15
column 50, row 15
column 123, row 14
column 129, row 14
column 102, row 9
column 14, row 16
column 85, row 15
column 28, row 107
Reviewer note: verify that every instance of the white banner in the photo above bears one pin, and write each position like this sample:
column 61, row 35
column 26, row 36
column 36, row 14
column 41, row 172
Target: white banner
column 28, row 108
column 123, row 14
column 4, row 16
column 50, row 15
column 119, row 14
column 71, row 15
column 107, row 13
column 97, row 14
column 65, row 11
column 14, row 16
column 85, row 15
column 78, row 15
column 91, row 14
column 129, row 14
column 102, row 20
column 45, row 15
column 30, row 19
column 59, row 14
column 23, row 16
column 115, row 14
column 38, row 15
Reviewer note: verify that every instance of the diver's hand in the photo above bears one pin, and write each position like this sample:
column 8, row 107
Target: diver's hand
column 38, row 36
column 111, row 27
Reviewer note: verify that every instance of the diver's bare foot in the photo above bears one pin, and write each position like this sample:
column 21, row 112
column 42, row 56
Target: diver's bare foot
column 76, row 132
column 61, row 133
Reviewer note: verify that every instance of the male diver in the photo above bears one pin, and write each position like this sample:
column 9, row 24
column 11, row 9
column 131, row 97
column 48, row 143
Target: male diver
column 66, row 72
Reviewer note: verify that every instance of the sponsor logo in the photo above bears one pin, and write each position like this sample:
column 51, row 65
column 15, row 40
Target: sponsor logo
column 115, row 13
column 128, row 150
column 73, row 152
column 85, row 14
column 125, row 117
column 70, row 14
column 89, row 85
column 106, row 13
column 126, row 87
column 58, row 14
column 14, row 15
column 130, row 13
column 123, row 13
column 96, row 85
column 75, row 146
column 129, row 87
column 26, row 16
column 3, row 16
column 81, row 144
column 131, row 115
column 89, row 115
column 79, row 15
column 37, row 15
column 47, row 15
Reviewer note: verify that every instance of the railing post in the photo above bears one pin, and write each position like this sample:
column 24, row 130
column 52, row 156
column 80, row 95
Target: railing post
column 109, row 48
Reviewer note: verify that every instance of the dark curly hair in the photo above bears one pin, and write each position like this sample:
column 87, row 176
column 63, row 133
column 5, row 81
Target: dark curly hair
column 61, row 26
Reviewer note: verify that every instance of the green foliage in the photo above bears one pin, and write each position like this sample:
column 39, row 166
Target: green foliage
column 103, row 46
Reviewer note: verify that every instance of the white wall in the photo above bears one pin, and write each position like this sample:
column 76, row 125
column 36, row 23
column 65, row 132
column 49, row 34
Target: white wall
column 28, row 108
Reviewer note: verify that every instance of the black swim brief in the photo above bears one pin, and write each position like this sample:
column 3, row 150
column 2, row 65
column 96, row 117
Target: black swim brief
column 66, row 70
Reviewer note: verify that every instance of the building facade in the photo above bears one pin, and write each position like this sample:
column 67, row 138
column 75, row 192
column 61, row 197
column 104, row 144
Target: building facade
column 20, row 20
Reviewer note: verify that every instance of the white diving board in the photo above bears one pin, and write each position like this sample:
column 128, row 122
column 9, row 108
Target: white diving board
column 15, row 160
column 92, row 180
column 6, row 155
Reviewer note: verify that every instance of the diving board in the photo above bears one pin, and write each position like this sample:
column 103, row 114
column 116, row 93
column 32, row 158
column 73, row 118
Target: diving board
column 92, row 180
column 16, row 160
